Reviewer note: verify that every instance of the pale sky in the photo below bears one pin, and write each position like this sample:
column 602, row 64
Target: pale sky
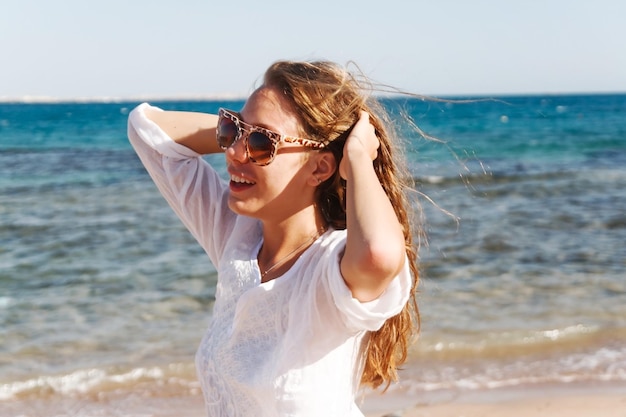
column 130, row 48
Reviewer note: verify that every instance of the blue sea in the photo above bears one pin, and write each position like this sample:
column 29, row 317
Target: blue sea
column 104, row 295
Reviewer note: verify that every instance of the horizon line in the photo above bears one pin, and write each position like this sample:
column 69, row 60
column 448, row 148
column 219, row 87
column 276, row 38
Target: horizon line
column 44, row 99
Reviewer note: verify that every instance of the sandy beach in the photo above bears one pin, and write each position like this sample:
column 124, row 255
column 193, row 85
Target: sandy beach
column 544, row 401
column 563, row 406
column 565, row 400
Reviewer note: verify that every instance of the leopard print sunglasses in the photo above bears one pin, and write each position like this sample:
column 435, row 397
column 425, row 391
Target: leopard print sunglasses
column 261, row 144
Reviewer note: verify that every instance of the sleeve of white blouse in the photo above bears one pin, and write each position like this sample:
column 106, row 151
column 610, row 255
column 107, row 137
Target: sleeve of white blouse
column 189, row 184
column 370, row 315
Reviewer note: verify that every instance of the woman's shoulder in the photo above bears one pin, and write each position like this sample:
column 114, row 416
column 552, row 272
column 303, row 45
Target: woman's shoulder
column 333, row 236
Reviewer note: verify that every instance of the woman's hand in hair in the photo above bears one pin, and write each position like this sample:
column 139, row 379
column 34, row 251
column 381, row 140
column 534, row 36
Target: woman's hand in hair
column 362, row 140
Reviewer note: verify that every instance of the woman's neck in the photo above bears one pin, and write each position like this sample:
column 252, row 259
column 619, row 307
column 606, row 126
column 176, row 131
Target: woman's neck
column 285, row 241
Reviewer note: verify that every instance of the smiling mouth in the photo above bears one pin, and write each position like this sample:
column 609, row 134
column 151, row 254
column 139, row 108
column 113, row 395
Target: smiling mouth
column 238, row 183
column 240, row 180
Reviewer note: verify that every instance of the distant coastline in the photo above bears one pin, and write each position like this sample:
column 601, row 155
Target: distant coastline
column 35, row 99
column 122, row 99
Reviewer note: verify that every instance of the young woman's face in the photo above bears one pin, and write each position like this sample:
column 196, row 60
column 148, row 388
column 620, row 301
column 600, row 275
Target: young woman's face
column 277, row 190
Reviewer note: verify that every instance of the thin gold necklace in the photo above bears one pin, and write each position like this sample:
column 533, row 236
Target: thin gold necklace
column 290, row 254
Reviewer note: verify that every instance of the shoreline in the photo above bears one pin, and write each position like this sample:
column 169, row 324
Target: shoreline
column 549, row 400
column 606, row 399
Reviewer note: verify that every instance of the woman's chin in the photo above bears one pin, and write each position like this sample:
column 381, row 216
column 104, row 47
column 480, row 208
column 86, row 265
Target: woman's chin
column 240, row 207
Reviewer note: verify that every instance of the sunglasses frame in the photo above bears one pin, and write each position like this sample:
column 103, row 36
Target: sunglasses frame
column 274, row 137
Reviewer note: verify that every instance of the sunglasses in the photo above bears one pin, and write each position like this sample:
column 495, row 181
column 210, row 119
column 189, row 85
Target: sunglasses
column 260, row 143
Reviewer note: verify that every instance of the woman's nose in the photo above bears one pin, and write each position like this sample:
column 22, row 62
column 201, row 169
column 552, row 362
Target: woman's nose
column 237, row 151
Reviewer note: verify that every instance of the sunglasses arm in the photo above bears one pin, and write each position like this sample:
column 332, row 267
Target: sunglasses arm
column 192, row 129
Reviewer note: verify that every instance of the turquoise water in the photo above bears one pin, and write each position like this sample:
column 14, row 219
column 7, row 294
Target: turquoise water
column 103, row 292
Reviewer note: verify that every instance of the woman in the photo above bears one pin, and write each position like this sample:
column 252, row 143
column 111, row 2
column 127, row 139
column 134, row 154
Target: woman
column 310, row 237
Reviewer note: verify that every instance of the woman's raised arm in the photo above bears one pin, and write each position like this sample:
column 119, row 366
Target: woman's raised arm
column 375, row 248
column 191, row 129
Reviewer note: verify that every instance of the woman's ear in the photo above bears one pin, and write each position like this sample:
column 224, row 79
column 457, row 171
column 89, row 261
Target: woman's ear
column 325, row 167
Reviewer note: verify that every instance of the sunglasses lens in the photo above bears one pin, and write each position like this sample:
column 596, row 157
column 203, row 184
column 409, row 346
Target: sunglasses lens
column 226, row 132
column 260, row 148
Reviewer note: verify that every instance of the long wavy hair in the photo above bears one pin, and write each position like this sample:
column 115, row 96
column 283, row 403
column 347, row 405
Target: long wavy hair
column 328, row 99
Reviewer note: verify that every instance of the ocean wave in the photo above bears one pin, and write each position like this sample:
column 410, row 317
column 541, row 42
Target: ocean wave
column 487, row 360
column 601, row 364
column 168, row 380
column 513, row 343
column 502, row 343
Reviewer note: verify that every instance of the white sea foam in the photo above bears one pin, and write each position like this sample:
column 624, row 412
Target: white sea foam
column 95, row 381
column 602, row 365
column 5, row 302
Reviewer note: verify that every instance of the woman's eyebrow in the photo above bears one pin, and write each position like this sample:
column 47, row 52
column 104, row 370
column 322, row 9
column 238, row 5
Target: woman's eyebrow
column 261, row 125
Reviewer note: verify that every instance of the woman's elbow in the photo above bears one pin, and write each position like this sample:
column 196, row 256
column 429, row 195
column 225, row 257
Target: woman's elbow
column 386, row 260
column 370, row 275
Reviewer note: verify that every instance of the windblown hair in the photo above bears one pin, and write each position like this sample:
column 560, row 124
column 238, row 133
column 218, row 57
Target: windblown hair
column 328, row 99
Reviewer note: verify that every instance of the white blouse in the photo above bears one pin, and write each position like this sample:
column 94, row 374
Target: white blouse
column 292, row 346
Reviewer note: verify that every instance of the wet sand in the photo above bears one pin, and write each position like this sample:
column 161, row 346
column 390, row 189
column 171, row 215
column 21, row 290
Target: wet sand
column 603, row 400
column 565, row 400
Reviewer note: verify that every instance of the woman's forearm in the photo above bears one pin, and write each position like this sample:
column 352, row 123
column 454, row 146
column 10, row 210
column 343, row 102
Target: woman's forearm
column 191, row 129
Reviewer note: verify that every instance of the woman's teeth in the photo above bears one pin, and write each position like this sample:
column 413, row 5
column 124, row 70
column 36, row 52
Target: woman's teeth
column 240, row 180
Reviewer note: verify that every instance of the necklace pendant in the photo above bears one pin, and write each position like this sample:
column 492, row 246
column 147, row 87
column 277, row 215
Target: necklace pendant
column 291, row 254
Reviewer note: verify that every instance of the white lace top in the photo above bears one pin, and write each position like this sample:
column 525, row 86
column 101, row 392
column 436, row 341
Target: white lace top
column 288, row 347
